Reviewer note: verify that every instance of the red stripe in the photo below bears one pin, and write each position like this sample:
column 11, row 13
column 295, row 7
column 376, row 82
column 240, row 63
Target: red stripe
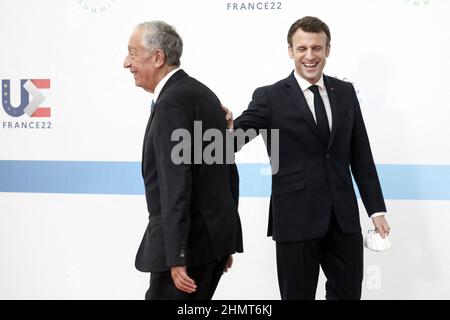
column 42, row 113
column 41, row 83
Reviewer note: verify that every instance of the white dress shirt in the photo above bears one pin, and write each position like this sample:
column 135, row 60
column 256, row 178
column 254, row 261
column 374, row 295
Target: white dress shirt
column 309, row 96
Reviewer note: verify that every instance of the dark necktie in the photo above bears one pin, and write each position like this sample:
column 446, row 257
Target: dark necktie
column 152, row 109
column 321, row 114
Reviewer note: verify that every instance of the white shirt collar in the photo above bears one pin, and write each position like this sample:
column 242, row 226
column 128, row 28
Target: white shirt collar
column 161, row 84
column 304, row 85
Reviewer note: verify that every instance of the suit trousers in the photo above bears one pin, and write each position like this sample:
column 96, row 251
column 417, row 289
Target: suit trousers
column 340, row 255
column 206, row 277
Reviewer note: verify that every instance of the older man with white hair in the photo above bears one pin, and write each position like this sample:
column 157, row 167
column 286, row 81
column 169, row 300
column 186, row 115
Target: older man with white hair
column 194, row 225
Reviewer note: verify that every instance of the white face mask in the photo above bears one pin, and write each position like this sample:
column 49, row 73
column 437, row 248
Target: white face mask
column 373, row 241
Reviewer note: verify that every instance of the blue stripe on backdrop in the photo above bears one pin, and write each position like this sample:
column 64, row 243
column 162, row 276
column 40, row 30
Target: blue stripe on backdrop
column 406, row 182
column 87, row 177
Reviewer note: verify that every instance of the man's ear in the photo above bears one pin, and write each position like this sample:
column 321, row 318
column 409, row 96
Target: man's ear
column 291, row 52
column 327, row 51
column 160, row 58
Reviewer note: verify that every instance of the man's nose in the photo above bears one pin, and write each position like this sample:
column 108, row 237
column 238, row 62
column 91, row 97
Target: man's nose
column 309, row 54
column 126, row 63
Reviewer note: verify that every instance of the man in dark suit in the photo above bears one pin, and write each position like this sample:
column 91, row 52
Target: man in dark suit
column 194, row 226
column 314, row 215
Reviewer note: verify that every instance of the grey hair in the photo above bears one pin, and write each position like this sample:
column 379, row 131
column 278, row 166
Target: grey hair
column 160, row 35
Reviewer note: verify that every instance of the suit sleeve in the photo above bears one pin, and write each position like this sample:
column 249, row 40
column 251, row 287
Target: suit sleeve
column 362, row 164
column 175, row 181
column 257, row 116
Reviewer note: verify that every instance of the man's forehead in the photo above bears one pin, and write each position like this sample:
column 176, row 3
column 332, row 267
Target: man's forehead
column 309, row 37
column 135, row 37
column 135, row 42
column 306, row 34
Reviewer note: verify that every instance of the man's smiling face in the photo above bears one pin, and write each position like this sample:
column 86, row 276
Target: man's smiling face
column 309, row 51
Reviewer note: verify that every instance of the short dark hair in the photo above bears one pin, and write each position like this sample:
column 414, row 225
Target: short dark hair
column 309, row 24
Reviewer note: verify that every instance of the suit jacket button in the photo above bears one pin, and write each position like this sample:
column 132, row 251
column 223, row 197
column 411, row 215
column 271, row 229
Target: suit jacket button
column 328, row 156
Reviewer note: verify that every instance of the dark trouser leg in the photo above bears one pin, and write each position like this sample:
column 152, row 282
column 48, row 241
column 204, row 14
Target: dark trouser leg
column 206, row 277
column 341, row 258
column 298, row 269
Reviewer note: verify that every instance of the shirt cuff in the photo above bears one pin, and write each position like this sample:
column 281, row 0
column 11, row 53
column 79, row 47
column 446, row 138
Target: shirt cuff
column 378, row 214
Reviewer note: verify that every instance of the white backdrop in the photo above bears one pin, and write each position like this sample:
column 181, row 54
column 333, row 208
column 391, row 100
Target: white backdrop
column 72, row 245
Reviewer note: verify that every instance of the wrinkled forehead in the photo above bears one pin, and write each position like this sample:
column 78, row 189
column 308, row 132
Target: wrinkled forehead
column 136, row 39
column 301, row 37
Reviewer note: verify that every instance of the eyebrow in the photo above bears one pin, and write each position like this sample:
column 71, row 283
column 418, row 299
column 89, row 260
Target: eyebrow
column 313, row 46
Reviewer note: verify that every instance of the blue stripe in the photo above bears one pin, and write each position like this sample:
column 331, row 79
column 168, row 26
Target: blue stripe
column 405, row 182
column 71, row 177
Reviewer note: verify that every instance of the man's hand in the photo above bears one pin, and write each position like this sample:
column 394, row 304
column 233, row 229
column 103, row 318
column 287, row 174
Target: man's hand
column 228, row 264
column 381, row 226
column 228, row 117
column 181, row 279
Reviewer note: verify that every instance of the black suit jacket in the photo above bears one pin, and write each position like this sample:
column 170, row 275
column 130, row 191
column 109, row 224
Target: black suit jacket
column 193, row 207
column 314, row 178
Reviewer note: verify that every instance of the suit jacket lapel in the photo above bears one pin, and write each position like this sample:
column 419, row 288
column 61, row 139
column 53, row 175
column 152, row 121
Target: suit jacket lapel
column 145, row 140
column 175, row 77
column 297, row 96
column 334, row 103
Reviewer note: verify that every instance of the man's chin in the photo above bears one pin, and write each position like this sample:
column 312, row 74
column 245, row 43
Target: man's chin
column 312, row 77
